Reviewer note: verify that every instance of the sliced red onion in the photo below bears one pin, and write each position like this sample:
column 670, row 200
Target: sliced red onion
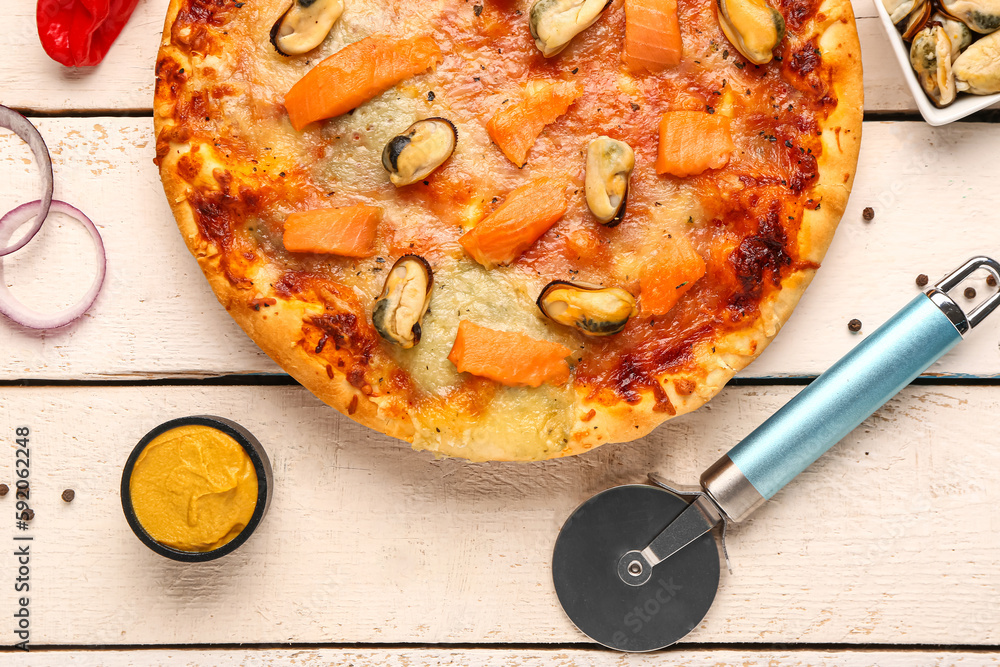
column 16, row 310
column 23, row 128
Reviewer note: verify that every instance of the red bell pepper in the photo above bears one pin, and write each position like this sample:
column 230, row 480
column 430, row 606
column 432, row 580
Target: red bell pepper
column 80, row 32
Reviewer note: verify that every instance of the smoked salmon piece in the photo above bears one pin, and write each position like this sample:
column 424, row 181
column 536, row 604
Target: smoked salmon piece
column 512, row 359
column 516, row 126
column 652, row 35
column 356, row 74
column 693, row 141
column 515, row 225
column 670, row 272
column 348, row 231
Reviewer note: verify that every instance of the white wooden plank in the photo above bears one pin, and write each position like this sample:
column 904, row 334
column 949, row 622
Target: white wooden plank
column 156, row 310
column 933, row 190
column 509, row 658
column 884, row 83
column 892, row 537
column 30, row 79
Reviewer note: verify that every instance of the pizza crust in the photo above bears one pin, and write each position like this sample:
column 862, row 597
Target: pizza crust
column 278, row 329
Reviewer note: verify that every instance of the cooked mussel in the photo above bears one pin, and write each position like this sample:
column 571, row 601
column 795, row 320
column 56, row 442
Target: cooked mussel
column 304, row 25
column 609, row 165
column 930, row 56
column 594, row 310
column 917, row 20
column 977, row 70
column 401, row 306
column 753, row 26
column 980, row 15
column 958, row 34
column 554, row 23
column 421, row 148
column 900, row 9
column 910, row 16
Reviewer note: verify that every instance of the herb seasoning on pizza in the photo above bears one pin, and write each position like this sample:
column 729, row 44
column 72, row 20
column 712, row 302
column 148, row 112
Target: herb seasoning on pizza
column 510, row 230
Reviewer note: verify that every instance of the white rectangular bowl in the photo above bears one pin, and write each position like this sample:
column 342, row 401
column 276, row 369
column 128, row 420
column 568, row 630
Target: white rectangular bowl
column 963, row 105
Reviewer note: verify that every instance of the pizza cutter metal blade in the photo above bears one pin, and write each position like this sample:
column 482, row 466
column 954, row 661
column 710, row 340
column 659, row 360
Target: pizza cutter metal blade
column 636, row 567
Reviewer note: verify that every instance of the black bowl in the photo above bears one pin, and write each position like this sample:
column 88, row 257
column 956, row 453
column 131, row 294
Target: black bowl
column 261, row 465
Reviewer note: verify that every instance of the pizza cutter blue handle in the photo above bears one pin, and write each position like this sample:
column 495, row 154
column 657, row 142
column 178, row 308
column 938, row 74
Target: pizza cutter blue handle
column 844, row 396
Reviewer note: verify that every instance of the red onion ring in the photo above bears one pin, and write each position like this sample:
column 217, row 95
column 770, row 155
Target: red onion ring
column 32, row 319
column 23, row 128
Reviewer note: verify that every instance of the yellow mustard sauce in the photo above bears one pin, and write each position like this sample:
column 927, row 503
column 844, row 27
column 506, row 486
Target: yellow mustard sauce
column 193, row 488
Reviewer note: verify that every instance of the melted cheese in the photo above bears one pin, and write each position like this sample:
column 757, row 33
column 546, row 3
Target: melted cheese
column 463, row 290
column 519, row 423
column 516, row 418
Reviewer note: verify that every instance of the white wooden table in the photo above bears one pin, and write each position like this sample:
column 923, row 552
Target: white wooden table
column 887, row 551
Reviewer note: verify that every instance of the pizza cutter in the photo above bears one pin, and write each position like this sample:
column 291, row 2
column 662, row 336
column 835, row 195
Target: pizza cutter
column 636, row 567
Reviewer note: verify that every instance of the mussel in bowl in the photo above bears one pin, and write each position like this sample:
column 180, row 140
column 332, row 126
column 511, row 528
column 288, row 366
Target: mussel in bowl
column 930, row 56
column 958, row 33
column 899, row 10
column 982, row 16
column 917, row 19
column 977, row 70
column 910, row 16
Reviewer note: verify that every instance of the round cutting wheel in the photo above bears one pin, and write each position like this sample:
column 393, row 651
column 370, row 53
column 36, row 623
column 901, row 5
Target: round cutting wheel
column 585, row 571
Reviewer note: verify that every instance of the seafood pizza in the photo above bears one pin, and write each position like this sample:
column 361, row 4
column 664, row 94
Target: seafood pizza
column 504, row 229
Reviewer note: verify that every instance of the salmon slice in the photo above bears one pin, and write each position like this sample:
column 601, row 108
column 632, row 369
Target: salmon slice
column 515, row 127
column 356, row 74
column 348, row 230
column 693, row 141
column 512, row 359
column 669, row 273
column 652, row 35
column 527, row 213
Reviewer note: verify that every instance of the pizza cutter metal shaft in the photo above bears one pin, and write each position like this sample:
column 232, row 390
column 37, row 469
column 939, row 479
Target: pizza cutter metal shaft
column 635, row 567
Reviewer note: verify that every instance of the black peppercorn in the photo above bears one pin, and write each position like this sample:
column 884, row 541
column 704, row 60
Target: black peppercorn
column 854, row 325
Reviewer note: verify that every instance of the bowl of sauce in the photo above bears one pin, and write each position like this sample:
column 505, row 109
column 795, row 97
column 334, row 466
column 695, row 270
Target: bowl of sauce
column 194, row 489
